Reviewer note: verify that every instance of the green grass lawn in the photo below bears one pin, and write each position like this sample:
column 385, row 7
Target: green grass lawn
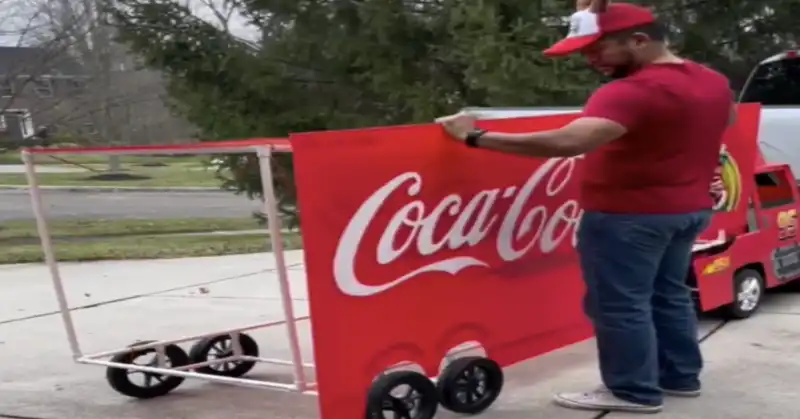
column 147, row 247
column 16, row 230
column 86, row 240
column 140, row 171
column 13, row 157
column 182, row 174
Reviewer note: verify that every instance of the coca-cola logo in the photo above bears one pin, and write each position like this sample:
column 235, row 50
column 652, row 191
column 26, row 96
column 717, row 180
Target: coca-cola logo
column 518, row 230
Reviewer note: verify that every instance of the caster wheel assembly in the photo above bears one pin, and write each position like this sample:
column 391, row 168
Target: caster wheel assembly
column 220, row 347
column 402, row 395
column 127, row 382
column 470, row 385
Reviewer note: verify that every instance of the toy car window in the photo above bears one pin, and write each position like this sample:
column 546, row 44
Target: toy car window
column 773, row 190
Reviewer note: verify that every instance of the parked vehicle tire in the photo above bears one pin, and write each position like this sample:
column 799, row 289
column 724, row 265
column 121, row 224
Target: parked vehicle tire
column 748, row 292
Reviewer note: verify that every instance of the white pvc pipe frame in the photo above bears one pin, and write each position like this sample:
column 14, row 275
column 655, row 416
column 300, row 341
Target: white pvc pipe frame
column 264, row 154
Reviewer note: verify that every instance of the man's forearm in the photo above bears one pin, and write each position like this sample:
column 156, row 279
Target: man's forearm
column 533, row 144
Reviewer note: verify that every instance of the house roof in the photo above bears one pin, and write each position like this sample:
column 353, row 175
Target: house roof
column 38, row 61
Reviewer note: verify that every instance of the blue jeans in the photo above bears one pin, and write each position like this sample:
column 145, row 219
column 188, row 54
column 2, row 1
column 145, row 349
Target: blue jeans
column 635, row 270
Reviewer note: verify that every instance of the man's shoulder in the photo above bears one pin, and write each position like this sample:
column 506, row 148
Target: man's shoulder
column 706, row 72
column 620, row 101
column 670, row 82
column 704, row 68
column 687, row 71
column 625, row 85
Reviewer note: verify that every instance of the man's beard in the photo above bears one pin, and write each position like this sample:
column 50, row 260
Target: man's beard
column 620, row 72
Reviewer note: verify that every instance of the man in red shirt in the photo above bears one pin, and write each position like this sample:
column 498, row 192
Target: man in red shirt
column 652, row 139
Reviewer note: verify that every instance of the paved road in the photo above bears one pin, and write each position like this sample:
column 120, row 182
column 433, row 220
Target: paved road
column 15, row 205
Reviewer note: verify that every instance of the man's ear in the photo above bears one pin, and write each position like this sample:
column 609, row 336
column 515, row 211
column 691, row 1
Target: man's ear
column 639, row 38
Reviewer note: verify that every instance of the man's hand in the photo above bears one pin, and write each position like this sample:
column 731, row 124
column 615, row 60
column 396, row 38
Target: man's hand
column 458, row 125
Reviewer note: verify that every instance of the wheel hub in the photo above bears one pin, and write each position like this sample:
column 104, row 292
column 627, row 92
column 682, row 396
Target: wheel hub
column 219, row 351
column 146, row 385
column 472, row 385
column 397, row 405
column 402, row 395
column 749, row 294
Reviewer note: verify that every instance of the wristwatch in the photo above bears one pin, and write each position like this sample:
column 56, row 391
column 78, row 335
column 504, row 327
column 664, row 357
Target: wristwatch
column 472, row 137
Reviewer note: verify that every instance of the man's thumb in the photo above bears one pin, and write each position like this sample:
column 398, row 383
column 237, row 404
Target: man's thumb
column 447, row 118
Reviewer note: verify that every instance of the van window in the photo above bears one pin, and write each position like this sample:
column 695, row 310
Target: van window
column 775, row 83
column 774, row 190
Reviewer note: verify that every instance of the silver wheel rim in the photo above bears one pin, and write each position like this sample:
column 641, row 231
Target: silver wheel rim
column 749, row 293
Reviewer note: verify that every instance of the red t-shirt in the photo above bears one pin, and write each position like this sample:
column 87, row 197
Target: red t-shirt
column 675, row 115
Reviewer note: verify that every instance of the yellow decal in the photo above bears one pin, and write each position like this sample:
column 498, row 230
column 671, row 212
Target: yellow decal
column 787, row 224
column 786, row 218
column 727, row 186
column 718, row 265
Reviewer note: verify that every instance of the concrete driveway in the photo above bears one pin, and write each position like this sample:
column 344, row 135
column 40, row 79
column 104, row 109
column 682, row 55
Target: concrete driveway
column 750, row 369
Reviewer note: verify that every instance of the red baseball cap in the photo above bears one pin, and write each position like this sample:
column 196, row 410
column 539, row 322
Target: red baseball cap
column 586, row 27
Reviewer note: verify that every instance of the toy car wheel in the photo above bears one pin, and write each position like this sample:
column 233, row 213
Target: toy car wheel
column 470, row 385
column 146, row 385
column 402, row 395
column 219, row 348
column 748, row 292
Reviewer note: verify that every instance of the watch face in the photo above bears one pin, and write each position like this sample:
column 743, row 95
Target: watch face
column 472, row 138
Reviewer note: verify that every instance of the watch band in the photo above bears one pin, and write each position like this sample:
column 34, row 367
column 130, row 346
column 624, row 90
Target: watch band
column 472, row 138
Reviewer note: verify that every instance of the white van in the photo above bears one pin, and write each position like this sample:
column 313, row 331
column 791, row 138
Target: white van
column 775, row 83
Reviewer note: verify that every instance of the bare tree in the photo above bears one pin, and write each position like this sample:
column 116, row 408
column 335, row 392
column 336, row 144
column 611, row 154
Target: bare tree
column 221, row 10
column 32, row 57
column 118, row 102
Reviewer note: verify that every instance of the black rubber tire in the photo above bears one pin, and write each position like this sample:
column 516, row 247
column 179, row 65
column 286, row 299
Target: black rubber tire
column 380, row 399
column 118, row 378
column 738, row 310
column 200, row 352
column 450, row 386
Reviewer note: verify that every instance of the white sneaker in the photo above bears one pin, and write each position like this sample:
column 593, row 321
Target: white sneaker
column 601, row 400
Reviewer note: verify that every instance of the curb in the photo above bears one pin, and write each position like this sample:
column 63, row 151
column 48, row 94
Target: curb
column 91, row 189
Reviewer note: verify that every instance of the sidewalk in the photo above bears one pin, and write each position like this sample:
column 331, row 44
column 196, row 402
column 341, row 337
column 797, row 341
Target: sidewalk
column 749, row 372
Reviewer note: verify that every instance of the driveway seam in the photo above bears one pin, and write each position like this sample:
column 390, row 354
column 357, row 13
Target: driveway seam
column 211, row 297
column 137, row 296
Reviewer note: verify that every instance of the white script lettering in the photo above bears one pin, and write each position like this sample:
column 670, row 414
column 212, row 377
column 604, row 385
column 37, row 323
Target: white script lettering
column 474, row 221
